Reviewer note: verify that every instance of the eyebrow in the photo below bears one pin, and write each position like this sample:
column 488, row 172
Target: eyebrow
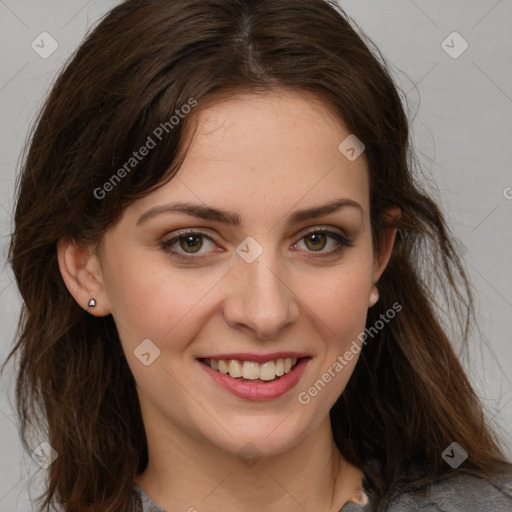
column 234, row 219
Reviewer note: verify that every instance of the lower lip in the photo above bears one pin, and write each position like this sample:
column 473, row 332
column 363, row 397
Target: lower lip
column 259, row 390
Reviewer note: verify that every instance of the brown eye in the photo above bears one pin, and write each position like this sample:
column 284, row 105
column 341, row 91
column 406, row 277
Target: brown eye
column 191, row 243
column 316, row 241
column 188, row 245
column 324, row 242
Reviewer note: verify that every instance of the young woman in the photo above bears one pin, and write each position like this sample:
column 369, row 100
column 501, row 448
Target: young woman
column 230, row 276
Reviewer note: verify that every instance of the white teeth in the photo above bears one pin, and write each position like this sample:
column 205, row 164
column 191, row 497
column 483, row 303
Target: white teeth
column 251, row 370
column 223, row 366
column 235, row 368
column 268, row 371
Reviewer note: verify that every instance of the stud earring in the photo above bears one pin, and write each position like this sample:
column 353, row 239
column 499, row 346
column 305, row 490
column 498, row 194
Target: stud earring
column 374, row 297
column 92, row 303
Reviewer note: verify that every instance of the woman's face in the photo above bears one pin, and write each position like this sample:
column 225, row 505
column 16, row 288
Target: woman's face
column 256, row 279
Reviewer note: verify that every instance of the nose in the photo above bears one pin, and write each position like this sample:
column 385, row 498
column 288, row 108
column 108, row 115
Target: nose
column 260, row 300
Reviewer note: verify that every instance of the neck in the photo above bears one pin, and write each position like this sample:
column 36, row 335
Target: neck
column 185, row 473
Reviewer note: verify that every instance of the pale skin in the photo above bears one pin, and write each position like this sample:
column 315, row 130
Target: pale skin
column 262, row 157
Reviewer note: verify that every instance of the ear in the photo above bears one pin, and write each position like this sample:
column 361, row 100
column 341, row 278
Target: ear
column 382, row 258
column 81, row 271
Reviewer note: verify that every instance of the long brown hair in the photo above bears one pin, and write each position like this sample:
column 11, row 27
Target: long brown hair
column 408, row 398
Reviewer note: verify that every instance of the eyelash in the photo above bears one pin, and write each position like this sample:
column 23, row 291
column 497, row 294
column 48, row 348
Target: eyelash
column 342, row 240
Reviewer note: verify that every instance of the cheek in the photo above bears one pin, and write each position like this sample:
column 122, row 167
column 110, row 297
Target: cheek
column 142, row 301
column 340, row 299
column 150, row 300
column 341, row 303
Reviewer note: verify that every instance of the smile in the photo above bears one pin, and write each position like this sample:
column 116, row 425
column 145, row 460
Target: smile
column 251, row 370
column 255, row 381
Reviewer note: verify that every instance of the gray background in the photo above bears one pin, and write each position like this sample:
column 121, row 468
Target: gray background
column 462, row 128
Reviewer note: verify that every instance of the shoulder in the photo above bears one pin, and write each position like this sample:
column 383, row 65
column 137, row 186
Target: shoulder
column 142, row 502
column 459, row 491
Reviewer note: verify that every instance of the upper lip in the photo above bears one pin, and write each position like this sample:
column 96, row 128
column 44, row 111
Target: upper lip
column 257, row 358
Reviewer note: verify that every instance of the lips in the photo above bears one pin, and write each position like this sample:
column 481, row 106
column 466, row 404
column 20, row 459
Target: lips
column 255, row 388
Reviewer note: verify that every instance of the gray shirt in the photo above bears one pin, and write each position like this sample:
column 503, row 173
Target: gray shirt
column 457, row 491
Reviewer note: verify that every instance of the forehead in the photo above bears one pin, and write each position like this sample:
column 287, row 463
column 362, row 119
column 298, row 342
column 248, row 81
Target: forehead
column 277, row 121
column 267, row 151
